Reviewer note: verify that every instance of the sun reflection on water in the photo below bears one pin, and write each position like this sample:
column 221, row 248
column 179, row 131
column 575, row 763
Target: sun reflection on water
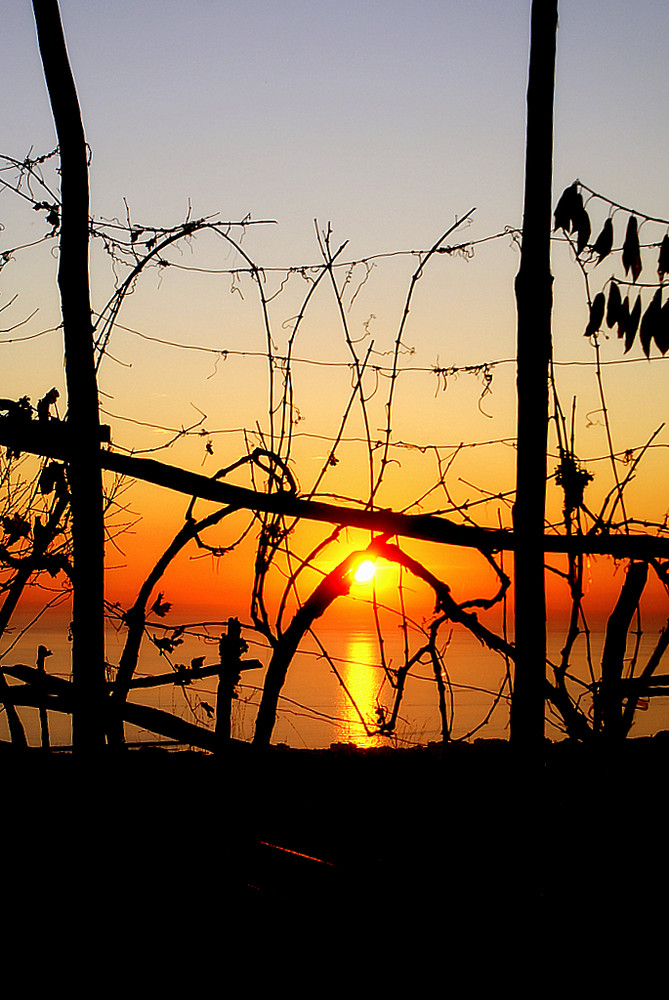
column 362, row 675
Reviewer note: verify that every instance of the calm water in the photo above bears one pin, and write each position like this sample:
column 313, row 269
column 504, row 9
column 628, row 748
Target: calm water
column 325, row 702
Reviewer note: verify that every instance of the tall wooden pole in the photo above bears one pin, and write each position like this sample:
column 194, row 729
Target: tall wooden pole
column 84, row 472
column 534, row 298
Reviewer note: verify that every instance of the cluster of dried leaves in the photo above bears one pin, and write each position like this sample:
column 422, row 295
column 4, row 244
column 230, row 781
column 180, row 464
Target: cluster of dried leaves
column 652, row 325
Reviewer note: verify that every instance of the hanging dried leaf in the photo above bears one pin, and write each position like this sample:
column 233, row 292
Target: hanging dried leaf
column 635, row 314
column 568, row 207
column 632, row 324
column 662, row 330
column 613, row 305
column 663, row 261
column 631, row 249
column 604, row 242
column 165, row 645
column 623, row 317
column 596, row 314
column 160, row 607
column 650, row 322
column 576, row 211
column 583, row 229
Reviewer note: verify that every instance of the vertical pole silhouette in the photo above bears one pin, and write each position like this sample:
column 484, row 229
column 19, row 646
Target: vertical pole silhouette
column 534, row 299
column 230, row 648
column 16, row 731
column 42, row 653
column 84, row 471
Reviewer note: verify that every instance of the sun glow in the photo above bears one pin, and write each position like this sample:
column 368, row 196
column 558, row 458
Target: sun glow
column 365, row 571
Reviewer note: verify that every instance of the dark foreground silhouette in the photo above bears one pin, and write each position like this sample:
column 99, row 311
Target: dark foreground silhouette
column 475, row 828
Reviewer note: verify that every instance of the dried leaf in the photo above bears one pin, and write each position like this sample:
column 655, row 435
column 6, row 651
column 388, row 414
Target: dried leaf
column 632, row 324
column 160, row 607
column 649, row 323
column 631, row 249
column 165, row 645
column 604, row 242
column 567, row 208
column 662, row 330
column 583, row 229
column 663, row 261
column 576, row 210
column 623, row 317
column 596, row 314
column 613, row 305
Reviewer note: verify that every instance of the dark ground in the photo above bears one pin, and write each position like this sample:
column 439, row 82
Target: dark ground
column 476, row 829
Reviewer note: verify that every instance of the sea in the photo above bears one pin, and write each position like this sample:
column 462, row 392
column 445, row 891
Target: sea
column 339, row 687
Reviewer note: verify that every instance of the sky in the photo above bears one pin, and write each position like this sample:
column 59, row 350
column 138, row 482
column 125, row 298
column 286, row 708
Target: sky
column 387, row 120
column 383, row 117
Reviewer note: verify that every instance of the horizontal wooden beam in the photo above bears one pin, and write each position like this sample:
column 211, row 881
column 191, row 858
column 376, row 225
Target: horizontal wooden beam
column 56, row 694
column 50, row 439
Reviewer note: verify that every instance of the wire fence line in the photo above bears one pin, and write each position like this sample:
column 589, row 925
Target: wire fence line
column 285, row 556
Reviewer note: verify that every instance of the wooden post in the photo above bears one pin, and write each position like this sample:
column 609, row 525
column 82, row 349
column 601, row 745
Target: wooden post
column 42, row 653
column 231, row 647
column 16, row 730
column 534, row 297
column 84, row 471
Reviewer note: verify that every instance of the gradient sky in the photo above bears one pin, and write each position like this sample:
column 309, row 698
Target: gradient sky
column 384, row 117
column 387, row 119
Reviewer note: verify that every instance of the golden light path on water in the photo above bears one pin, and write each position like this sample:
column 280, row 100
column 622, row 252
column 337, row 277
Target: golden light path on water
column 362, row 677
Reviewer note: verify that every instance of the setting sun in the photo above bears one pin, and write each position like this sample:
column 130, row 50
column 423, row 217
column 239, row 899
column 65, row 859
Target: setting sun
column 365, row 571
